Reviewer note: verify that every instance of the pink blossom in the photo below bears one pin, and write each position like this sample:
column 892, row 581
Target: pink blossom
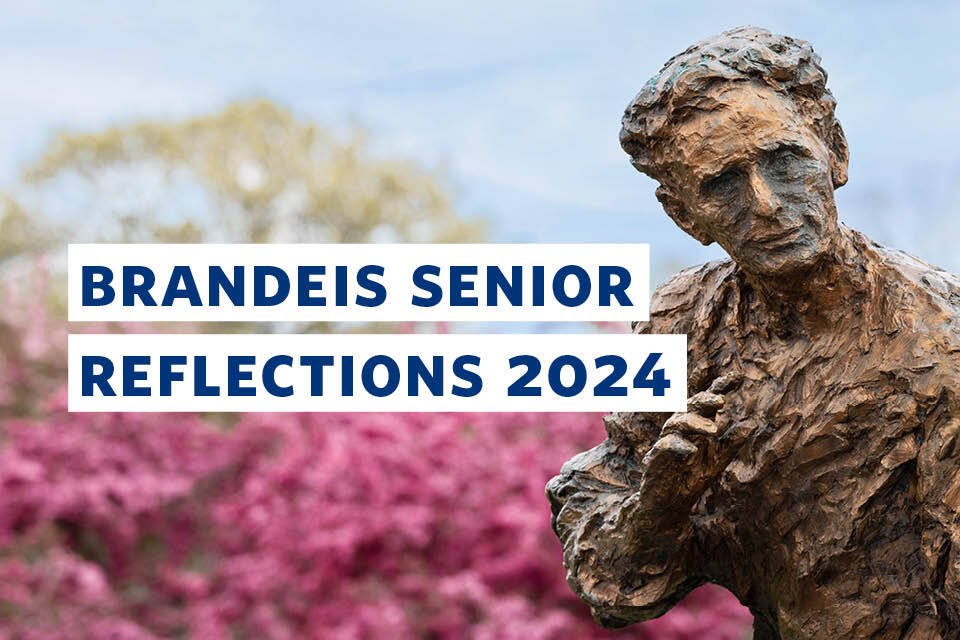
column 302, row 526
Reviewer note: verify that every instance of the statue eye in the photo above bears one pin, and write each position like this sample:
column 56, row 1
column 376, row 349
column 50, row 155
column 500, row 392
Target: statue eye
column 783, row 162
column 724, row 184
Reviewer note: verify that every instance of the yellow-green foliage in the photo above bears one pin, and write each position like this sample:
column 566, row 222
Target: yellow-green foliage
column 249, row 173
column 266, row 176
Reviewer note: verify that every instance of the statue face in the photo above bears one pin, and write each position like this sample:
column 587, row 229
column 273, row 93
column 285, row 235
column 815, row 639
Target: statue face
column 755, row 177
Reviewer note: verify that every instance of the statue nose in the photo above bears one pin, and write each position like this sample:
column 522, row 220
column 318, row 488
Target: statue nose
column 765, row 202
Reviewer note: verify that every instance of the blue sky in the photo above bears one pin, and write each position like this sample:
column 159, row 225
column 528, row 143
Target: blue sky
column 518, row 101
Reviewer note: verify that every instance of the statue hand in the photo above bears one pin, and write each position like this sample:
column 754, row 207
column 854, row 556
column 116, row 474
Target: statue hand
column 693, row 448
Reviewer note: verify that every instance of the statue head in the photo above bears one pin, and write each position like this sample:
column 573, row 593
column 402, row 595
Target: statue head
column 739, row 131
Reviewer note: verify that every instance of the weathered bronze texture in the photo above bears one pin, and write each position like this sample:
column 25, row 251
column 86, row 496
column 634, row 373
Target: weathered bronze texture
column 816, row 474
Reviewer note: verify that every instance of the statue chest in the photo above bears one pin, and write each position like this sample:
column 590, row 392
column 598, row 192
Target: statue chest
column 829, row 416
column 835, row 438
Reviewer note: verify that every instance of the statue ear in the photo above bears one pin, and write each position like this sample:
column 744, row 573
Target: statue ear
column 839, row 155
column 675, row 209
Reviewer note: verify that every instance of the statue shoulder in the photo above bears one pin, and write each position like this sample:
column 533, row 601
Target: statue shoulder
column 941, row 288
column 690, row 294
column 921, row 301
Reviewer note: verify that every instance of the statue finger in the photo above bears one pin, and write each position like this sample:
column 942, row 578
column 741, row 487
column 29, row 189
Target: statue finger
column 690, row 424
column 706, row 403
column 666, row 455
column 727, row 382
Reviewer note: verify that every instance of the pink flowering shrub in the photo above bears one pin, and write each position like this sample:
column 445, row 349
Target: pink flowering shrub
column 298, row 526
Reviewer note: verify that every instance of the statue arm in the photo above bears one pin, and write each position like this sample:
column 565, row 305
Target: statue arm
column 625, row 561
column 622, row 509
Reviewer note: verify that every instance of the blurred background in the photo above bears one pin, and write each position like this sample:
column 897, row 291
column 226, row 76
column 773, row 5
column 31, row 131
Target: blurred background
column 357, row 122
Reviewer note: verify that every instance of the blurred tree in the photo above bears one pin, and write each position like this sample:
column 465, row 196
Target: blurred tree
column 22, row 234
column 250, row 173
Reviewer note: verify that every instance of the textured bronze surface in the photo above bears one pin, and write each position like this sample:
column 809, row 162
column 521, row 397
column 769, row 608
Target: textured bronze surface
column 817, row 472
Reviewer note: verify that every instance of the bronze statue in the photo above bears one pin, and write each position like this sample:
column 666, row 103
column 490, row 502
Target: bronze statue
column 816, row 474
